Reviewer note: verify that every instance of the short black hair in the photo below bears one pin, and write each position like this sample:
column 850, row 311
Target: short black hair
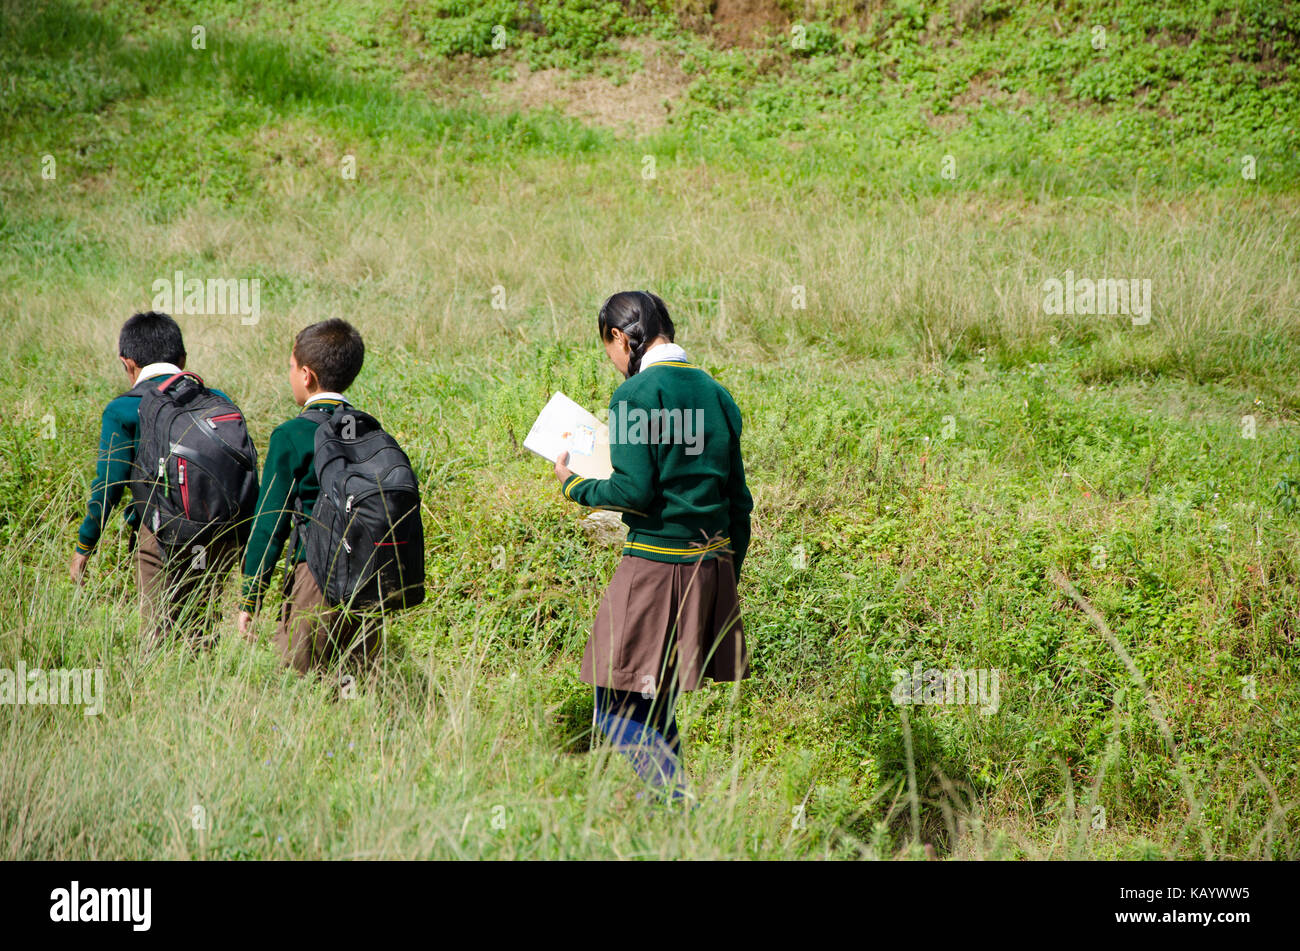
column 334, row 351
column 151, row 338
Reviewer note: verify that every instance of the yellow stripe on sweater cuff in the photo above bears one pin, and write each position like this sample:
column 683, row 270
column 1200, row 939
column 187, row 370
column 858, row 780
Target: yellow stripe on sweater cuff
column 568, row 487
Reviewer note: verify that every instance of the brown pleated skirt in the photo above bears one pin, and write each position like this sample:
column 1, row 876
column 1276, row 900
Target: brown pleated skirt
column 663, row 625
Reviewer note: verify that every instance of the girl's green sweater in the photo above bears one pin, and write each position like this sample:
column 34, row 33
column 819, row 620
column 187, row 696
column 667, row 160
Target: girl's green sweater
column 678, row 477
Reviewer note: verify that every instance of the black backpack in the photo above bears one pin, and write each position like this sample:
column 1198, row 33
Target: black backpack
column 365, row 540
column 194, row 477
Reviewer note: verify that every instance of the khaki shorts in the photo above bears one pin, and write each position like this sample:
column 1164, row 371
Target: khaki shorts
column 312, row 635
column 181, row 597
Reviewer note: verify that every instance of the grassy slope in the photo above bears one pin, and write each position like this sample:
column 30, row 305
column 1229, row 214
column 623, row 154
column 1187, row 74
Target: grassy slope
column 925, row 540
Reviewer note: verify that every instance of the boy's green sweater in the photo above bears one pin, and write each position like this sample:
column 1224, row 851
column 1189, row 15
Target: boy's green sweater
column 288, row 477
column 678, row 477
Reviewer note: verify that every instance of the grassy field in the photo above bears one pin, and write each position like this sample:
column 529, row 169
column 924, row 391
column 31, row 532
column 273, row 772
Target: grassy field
column 944, row 473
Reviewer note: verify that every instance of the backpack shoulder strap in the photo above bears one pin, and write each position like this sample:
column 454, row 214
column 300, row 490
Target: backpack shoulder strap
column 165, row 384
column 297, row 518
column 137, row 390
column 144, row 386
column 316, row 411
column 323, row 416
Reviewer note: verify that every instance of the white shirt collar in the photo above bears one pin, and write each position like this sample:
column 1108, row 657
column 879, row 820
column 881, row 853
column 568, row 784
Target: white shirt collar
column 325, row 396
column 661, row 353
column 151, row 370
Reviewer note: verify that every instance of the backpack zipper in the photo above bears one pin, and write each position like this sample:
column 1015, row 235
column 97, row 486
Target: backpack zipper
column 352, row 499
column 185, row 489
column 223, row 418
column 224, row 446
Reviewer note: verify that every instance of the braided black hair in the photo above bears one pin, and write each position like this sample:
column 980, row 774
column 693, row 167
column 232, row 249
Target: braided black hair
column 639, row 314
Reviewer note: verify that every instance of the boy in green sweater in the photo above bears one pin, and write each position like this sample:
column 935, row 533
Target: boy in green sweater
column 151, row 348
column 325, row 359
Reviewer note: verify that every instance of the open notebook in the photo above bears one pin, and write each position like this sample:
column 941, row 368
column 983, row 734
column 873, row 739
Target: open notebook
column 562, row 426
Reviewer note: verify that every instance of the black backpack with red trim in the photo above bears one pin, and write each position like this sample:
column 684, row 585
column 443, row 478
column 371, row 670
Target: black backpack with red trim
column 194, row 478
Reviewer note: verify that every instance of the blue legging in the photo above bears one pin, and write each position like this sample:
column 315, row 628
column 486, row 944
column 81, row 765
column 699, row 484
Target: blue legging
column 644, row 729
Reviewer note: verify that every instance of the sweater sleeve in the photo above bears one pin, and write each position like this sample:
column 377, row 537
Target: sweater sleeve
column 631, row 487
column 281, row 474
column 740, row 503
column 117, row 445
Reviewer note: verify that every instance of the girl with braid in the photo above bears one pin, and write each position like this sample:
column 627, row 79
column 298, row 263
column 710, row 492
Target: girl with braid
column 671, row 616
